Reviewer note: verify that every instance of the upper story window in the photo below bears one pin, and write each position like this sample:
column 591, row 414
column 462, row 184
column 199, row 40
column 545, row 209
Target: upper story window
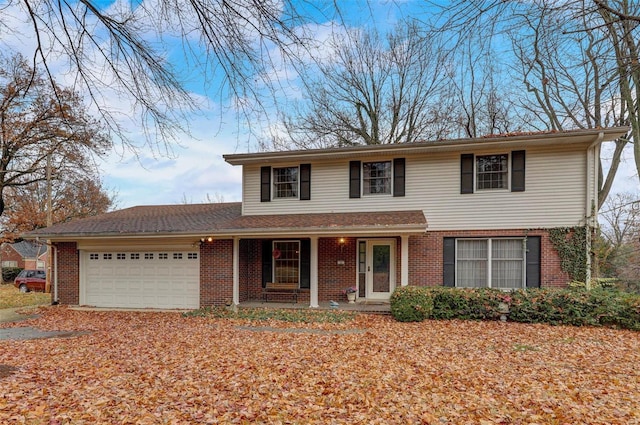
column 285, row 182
column 498, row 171
column 492, row 171
column 376, row 178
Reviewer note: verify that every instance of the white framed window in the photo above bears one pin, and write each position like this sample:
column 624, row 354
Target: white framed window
column 9, row 263
column 285, row 182
column 121, row 256
column 286, row 261
column 376, row 178
column 148, row 255
column 493, row 263
column 177, row 256
column 492, row 171
column 163, row 256
column 134, row 256
column 192, row 256
column 107, row 256
column 94, row 256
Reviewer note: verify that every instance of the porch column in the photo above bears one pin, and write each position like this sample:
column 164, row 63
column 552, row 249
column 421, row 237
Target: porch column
column 313, row 286
column 404, row 260
column 236, row 271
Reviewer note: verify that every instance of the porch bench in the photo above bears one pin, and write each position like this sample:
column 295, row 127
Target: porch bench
column 276, row 288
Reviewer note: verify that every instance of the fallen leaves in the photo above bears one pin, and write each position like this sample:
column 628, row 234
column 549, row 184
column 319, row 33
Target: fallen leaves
column 156, row 368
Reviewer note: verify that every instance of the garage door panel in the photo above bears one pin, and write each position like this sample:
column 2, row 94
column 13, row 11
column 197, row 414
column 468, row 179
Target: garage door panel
column 142, row 279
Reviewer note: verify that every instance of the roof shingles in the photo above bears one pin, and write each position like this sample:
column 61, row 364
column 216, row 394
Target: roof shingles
column 225, row 218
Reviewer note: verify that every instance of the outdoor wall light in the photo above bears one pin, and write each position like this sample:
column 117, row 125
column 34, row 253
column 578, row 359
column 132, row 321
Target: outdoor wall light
column 207, row 239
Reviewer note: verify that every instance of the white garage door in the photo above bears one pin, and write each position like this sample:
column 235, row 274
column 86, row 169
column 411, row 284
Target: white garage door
column 146, row 279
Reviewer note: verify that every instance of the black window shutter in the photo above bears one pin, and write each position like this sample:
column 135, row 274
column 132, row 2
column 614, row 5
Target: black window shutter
column 265, row 184
column 449, row 262
column 354, row 179
column 466, row 173
column 398, row 176
column 305, row 263
column 533, row 261
column 305, row 182
column 267, row 262
column 517, row 171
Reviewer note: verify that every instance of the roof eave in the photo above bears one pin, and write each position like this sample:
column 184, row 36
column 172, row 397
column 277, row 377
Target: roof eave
column 249, row 232
column 577, row 136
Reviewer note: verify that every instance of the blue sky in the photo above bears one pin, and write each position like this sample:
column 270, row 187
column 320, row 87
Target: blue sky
column 195, row 171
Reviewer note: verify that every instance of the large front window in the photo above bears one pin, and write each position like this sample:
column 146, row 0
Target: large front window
column 285, row 182
column 494, row 263
column 376, row 178
column 492, row 171
column 286, row 261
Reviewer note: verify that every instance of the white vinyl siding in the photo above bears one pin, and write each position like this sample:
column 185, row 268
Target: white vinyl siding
column 554, row 197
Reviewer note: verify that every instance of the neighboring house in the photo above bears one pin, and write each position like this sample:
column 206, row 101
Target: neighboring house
column 466, row 213
column 24, row 255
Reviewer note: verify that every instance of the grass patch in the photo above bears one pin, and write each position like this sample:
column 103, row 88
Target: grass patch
column 284, row 315
column 10, row 297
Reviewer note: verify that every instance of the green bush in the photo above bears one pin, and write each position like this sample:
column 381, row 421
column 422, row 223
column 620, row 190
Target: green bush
column 568, row 307
column 576, row 307
column 629, row 312
column 411, row 304
column 466, row 304
column 9, row 274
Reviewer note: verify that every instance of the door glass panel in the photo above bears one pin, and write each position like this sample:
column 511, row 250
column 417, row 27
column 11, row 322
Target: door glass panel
column 362, row 268
column 381, row 268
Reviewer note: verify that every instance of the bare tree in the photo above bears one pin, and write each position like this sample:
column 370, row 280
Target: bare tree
column 481, row 102
column 128, row 51
column 42, row 131
column 577, row 60
column 371, row 90
column 618, row 252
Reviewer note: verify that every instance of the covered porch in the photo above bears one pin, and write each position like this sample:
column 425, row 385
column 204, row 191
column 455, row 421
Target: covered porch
column 321, row 256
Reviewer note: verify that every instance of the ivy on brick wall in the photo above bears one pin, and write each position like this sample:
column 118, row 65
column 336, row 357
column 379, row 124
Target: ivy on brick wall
column 571, row 244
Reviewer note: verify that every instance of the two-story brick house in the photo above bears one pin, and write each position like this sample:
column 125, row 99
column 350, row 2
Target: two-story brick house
column 467, row 213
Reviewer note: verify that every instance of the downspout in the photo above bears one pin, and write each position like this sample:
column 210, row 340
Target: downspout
column 591, row 208
column 55, row 301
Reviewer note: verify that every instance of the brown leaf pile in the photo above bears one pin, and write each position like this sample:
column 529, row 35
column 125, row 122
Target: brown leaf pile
column 162, row 368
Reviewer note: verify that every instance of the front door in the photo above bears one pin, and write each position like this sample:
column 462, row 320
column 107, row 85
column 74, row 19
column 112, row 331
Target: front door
column 380, row 268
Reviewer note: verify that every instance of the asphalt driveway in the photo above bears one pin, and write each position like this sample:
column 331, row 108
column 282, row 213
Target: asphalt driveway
column 17, row 315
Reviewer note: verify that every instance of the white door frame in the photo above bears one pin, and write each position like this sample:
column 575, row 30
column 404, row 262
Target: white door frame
column 370, row 243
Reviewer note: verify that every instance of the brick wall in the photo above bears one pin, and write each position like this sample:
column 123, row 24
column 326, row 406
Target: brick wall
column 251, row 288
column 216, row 272
column 425, row 261
column 10, row 254
column 333, row 278
column 68, row 273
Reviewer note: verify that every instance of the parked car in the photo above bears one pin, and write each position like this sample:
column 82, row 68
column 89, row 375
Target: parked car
column 31, row 280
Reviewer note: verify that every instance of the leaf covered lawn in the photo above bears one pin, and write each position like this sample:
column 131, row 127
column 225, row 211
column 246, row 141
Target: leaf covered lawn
column 163, row 368
column 11, row 297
